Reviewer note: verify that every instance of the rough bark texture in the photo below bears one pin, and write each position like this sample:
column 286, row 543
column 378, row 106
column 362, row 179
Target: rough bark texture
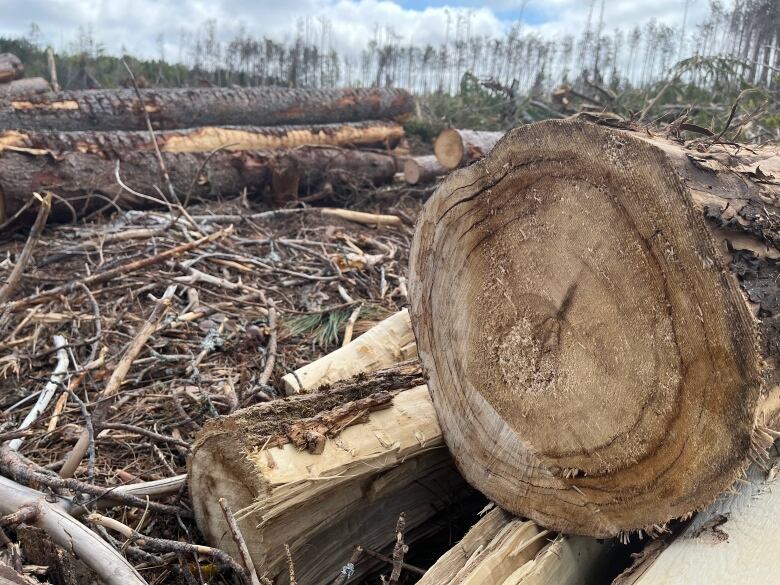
column 119, row 109
column 389, row 461
column 579, row 303
column 10, row 67
column 454, row 148
column 88, row 181
column 423, row 169
column 113, row 145
column 22, row 88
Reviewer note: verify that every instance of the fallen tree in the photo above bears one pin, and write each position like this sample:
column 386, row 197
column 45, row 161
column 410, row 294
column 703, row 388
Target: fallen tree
column 22, row 88
column 423, row 169
column 11, row 67
column 119, row 109
column 324, row 472
column 114, row 145
column 454, row 148
column 583, row 301
column 84, row 182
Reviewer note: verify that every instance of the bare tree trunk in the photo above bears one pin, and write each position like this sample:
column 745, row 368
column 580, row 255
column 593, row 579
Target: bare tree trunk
column 117, row 144
column 118, row 109
column 585, row 302
column 87, row 181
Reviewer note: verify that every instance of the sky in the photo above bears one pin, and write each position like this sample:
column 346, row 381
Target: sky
column 137, row 24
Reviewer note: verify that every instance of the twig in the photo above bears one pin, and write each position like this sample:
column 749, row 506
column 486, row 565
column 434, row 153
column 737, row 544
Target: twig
column 24, row 515
column 117, row 377
column 21, row 263
column 349, row 569
column 163, row 545
column 290, row 565
column 270, row 352
column 14, row 465
column 144, row 432
column 90, row 429
column 386, row 559
column 399, row 550
column 239, row 540
column 350, row 326
column 48, row 391
column 102, row 277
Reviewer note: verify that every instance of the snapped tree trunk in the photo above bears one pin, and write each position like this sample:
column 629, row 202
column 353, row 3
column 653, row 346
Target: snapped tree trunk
column 23, row 88
column 113, row 145
column 87, row 181
column 504, row 550
column 598, row 314
column 10, row 67
column 423, row 169
column 324, row 472
column 119, row 109
column 454, row 148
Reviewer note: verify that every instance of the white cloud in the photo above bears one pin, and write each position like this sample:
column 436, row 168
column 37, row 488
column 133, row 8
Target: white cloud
column 136, row 24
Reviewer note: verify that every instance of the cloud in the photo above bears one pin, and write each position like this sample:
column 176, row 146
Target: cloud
column 137, row 25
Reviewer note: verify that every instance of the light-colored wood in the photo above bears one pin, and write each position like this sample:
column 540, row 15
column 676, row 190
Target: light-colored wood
column 579, row 302
column 362, row 217
column 10, row 67
column 735, row 540
column 388, row 342
column 423, row 169
column 503, row 550
column 322, row 505
column 454, row 148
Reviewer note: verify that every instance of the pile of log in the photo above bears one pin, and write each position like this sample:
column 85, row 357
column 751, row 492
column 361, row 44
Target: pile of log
column 13, row 84
column 155, row 147
column 598, row 318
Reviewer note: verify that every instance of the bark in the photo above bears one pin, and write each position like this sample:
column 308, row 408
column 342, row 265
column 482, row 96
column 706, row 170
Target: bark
column 454, row 148
column 87, row 181
column 598, row 314
column 423, row 169
column 501, row 549
column 24, row 88
column 119, row 109
column 346, row 487
column 116, row 145
column 387, row 343
column 10, row 67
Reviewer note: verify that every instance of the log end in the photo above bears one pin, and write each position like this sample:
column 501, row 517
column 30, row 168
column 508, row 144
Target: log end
column 592, row 361
column 412, row 171
column 449, row 148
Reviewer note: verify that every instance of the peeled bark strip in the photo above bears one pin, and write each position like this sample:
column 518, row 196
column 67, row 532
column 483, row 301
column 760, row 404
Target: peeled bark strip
column 454, row 148
column 10, row 67
column 386, row 343
column 22, row 88
column 735, row 540
column 393, row 460
column 119, row 109
column 579, row 303
column 423, row 169
column 88, row 181
column 113, row 145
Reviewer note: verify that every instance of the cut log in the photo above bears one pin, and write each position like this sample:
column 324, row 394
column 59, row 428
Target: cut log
column 393, row 460
column 735, row 540
column 454, row 148
column 113, row 145
column 22, row 88
column 387, row 343
column 119, row 109
column 503, row 550
column 10, row 67
column 423, row 169
column 88, row 181
column 580, row 303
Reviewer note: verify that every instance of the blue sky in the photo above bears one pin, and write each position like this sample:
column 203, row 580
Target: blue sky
column 137, row 24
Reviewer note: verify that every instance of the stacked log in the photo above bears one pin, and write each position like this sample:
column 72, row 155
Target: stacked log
column 597, row 312
column 11, row 83
column 454, row 148
column 423, row 169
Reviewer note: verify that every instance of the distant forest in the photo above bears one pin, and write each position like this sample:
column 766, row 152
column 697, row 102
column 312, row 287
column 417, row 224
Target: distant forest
column 734, row 49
